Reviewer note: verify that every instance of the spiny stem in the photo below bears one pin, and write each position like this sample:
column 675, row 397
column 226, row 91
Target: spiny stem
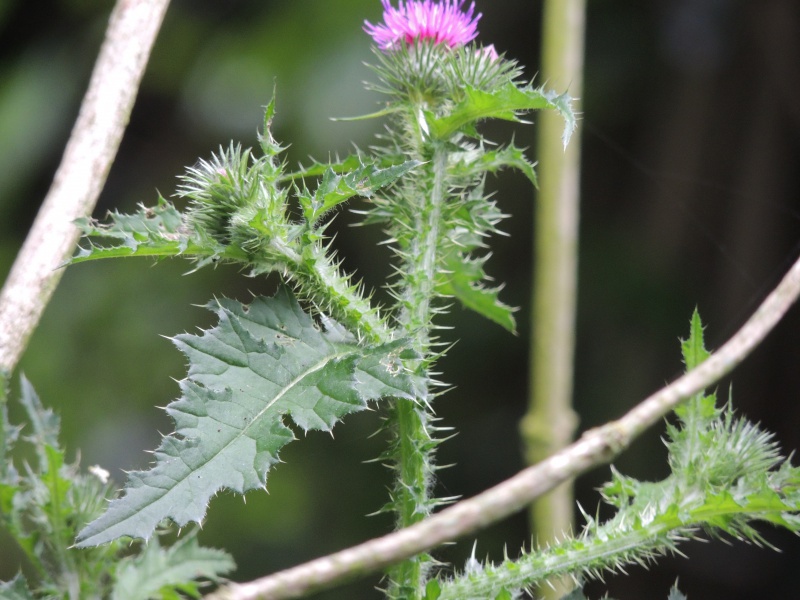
column 609, row 547
column 414, row 444
column 422, row 261
column 313, row 268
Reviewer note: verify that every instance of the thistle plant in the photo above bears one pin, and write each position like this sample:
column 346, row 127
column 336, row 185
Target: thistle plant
column 320, row 349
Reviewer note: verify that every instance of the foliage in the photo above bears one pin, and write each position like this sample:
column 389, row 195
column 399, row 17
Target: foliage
column 425, row 185
column 320, row 349
column 727, row 476
column 263, row 361
column 45, row 501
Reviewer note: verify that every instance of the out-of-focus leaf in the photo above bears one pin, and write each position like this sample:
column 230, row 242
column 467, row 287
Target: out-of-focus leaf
column 158, row 571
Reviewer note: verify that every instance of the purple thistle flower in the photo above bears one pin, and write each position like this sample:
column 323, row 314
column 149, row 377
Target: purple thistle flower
column 443, row 22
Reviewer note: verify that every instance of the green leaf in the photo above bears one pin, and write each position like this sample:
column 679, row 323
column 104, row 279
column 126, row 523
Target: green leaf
column 433, row 590
column 261, row 363
column 45, row 423
column 463, row 279
column 158, row 572
column 9, row 434
column 57, row 487
column 505, row 102
column 16, row 589
column 363, row 181
column 694, row 352
column 341, row 166
column 155, row 231
column 693, row 349
column 316, row 169
column 510, row 156
column 675, row 594
column 269, row 146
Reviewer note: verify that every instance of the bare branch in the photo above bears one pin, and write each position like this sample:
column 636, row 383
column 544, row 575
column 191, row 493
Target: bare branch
column 81, row 175
column 597, row 446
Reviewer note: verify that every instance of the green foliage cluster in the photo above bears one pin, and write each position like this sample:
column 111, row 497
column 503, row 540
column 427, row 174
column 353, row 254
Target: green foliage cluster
column 727, row 475
column 425, row 187
column 45, row 501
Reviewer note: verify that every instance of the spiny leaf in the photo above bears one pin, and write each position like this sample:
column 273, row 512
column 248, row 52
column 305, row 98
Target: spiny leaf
column 9, row 434
column 675, row 593
column 44, row 422
column 362, row 181
column 16, row 589
column 694, row 352
column 349, row 163
column 693, row 348
column 261, row 363
column 463, row 279
column 269, row 146
column 151, row 231
column 340, row 166
column 510, row 156
column 505, row 102
column 157, row 570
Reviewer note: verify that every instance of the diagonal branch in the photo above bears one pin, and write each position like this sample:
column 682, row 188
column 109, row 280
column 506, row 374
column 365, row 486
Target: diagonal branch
column 81, row 175
column 596, row 447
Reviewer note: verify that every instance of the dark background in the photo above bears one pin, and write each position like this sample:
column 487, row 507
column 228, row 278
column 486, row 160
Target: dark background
column 691, row 150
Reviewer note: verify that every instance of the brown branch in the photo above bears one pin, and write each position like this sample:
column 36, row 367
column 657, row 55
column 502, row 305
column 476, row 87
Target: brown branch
column 91, row 149
column 596, row 447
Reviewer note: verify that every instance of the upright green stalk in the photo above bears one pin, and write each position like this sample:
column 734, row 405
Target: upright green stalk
column 414, row 444
column 550, row 422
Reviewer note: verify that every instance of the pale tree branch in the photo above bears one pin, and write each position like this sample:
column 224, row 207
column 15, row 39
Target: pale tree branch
column 80, row 177
column 596, row 447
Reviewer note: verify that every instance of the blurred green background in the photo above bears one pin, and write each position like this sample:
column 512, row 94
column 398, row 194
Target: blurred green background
column 690, row 198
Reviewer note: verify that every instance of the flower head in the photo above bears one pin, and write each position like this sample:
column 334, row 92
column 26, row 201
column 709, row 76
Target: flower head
column 442, row 22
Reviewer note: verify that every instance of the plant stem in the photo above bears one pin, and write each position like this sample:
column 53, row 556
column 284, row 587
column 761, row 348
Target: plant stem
column 550, row 422
column 597, row 446
column 81, row 175
column 414, row 444
column 611, row 547
column 316, row 272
